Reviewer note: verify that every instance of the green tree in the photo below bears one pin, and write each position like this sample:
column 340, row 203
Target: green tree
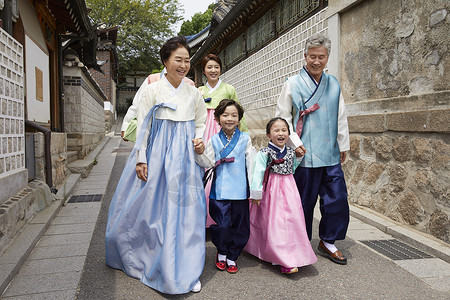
column 143, row 26
column 198, row 22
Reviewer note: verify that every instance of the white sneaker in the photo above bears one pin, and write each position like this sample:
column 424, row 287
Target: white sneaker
column 197, row 287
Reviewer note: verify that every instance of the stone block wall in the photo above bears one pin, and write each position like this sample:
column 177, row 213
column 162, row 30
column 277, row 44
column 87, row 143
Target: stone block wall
column 394, row 76
column 393, row 68
column 124, row 98
column 84, row 117
column 13, row 175
column 21, row 208
column 58, row 151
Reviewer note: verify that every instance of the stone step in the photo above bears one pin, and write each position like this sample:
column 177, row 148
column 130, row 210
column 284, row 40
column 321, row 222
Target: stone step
column 84, row 166
column 72, row 156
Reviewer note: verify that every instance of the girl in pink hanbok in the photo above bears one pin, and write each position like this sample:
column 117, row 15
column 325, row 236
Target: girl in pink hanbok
column 277, row 224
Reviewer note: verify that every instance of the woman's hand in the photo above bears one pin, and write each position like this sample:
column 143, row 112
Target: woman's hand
column 300, row 151
column 199, row 146
column 141, row 171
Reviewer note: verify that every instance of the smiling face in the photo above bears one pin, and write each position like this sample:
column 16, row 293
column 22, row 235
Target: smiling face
column 212, row 71
column 177, row 66
column 316, row 60
column 279, row 133
column 229, row 120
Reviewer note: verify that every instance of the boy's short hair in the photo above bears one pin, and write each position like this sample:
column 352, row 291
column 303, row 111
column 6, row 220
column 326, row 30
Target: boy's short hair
column 220, row 109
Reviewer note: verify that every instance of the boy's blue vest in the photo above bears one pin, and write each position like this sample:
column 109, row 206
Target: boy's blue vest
column 230, row 179
column 320, row 127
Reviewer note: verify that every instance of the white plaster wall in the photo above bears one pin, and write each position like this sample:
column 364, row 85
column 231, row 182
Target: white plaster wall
column 108, row 106
column 38, row 111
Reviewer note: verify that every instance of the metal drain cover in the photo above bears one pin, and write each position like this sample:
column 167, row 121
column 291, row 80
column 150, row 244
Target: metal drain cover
column 85, row 198
column 396, row 250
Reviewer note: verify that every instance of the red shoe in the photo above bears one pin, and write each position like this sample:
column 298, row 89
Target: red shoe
column 232, row 268
column 221, row 265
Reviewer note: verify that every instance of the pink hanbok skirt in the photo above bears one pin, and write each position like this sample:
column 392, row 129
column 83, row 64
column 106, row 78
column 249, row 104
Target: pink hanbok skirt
column 277, row 227
column 212, row 127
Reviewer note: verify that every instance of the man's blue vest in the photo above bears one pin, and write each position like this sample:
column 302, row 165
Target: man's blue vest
column 230, row 179
column 320, row 127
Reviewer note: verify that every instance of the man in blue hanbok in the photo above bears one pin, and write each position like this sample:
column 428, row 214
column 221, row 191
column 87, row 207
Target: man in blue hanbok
column 313, row 105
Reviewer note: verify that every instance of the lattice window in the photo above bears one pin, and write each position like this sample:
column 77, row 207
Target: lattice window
column 259, row 78
column 12, row 139
column 260, row 32
column 235, row 50
column 289, row 12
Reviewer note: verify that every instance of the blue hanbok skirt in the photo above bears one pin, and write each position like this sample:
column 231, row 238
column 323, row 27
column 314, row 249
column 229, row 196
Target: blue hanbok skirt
column 156, row 229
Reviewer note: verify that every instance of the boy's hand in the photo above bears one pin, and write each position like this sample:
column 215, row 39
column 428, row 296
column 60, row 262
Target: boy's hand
column 141, row 171
column 255, row 201
column 300, row 151
column 199, row 146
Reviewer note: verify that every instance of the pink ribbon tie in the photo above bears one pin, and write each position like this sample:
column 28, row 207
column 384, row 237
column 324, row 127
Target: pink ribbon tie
column 302, row 113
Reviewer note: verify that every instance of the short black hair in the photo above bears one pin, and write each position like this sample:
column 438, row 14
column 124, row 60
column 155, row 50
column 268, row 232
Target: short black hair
column 171, row 45
column 269, row 125
column 220, row 109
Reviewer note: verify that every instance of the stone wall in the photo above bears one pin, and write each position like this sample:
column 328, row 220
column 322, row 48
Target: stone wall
column 58, row 151
column 21, row 208
column 13, row 175
column 394, row 76
column 84, row 117
column 125, row 97
column 392, row 60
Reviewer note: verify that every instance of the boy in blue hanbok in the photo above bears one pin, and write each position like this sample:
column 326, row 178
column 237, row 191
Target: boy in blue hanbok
column 229, row 153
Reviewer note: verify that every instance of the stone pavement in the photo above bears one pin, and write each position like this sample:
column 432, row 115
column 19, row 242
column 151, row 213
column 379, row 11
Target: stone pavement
column 54, row 267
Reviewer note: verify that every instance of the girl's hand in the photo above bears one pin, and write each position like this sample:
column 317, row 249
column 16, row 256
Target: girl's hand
column 300, row 151
column 141, row 171
column 257, row 202
column 199, row 146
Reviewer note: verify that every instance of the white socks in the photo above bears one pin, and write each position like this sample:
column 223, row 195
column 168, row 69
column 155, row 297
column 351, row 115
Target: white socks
column 222, row 257
column 330, row 247
column 230, row 262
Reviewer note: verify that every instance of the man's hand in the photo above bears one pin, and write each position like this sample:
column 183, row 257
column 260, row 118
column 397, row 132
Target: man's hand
column 300, row 151
column 199, row 146
column 343, row 156
column 141, row 171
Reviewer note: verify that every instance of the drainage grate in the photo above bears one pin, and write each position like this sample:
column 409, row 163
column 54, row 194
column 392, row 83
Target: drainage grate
column 85, row 198
column 396, row 250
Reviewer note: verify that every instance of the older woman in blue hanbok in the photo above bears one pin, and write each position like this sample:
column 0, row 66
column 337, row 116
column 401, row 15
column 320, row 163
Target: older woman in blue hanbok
column 156, row 220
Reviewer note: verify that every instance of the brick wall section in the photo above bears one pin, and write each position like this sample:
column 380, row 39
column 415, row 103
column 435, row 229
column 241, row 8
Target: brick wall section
column 104, row 80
